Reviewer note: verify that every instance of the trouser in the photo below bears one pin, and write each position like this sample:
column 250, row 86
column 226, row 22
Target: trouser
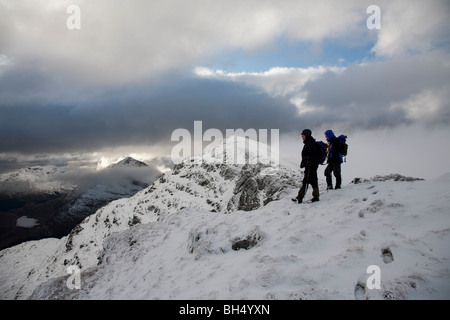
column 310, row 177
column 334, row 168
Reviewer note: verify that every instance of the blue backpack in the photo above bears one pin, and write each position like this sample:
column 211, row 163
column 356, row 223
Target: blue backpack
column 344, row 146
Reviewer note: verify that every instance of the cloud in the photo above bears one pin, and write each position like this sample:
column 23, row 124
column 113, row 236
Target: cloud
column 277, row 81
column 91, row 119
column 136, row 114
column 125, row 79
column 120, row 42
column 411, row 150
column 110, row 180
column 114, row 180
column 368, row 95
column 411, row 27
column 385, row 93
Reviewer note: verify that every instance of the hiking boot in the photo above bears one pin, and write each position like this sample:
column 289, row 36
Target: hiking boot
column 337, row 187
column 301, row 194
column 296, row 200
column 315, row 195
column 330, row 188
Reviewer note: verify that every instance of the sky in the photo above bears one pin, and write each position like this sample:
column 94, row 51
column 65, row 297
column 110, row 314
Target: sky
column 135, row 71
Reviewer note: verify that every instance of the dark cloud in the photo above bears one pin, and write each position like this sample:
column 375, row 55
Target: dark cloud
column 112, row 85
column 80, row 119
column 42, row 113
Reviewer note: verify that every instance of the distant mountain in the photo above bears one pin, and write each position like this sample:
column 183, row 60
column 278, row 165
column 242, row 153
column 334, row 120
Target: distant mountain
column 42, row 202
column 128, row 162
column 38, row 179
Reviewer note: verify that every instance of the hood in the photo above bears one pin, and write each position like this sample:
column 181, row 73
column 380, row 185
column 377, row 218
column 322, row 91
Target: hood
column 330, row 134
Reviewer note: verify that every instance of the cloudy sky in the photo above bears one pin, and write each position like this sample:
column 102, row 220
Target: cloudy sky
column 137, row 70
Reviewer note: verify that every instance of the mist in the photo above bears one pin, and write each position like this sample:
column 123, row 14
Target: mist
column 410, row 150
column 113, row 180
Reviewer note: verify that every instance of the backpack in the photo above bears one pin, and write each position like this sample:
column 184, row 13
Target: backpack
column 323, row 149
column 344, row 146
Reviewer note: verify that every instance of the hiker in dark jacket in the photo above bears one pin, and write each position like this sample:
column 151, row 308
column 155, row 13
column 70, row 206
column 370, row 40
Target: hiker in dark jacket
column 310, row 161
column 334, row 160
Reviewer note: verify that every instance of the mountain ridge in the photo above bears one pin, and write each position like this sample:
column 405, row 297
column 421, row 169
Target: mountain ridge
column 282, row 250
column 220, row 208
column 211, row 187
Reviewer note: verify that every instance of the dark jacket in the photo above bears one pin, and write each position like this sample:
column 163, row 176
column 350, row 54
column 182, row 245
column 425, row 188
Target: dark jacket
column 310, row 153
column 334, row 148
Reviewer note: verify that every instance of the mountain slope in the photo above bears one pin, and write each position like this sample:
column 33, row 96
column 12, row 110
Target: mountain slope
column 210, row 187
column 283, row 250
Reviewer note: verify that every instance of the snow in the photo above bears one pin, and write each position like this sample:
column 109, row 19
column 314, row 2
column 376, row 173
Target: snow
column 187, row 237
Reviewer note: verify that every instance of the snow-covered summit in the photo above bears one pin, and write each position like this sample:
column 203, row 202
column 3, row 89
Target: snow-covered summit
column 128, row 162
column 240, row 150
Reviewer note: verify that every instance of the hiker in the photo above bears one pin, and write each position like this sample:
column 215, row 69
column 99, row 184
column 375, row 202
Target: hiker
column 334, row 160
column 310, row 161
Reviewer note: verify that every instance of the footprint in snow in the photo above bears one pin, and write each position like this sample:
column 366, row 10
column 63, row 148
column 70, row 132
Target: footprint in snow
column 387, row 255
column 360, row 292
column 360, row 287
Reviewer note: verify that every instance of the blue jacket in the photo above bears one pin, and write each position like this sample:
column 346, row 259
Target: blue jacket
column 334, row 148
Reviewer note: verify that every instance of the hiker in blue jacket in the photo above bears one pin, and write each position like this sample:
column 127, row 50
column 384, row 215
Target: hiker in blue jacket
column 334, row 160
column 310, row 161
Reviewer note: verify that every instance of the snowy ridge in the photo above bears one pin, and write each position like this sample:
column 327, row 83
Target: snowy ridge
column 211, row 230
column 206, row 187
column 46, row 179
column 283, row 250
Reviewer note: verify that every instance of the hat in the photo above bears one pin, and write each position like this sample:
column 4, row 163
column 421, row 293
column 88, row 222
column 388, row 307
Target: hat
column 306, row 133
